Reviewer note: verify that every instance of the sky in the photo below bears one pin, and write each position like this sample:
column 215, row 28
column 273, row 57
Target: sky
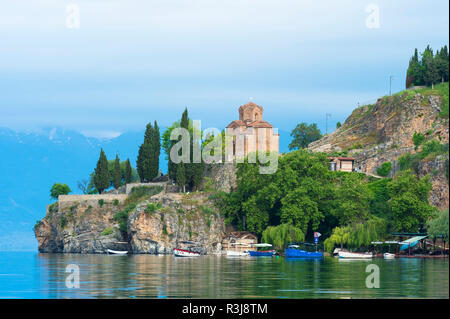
column 129, row 62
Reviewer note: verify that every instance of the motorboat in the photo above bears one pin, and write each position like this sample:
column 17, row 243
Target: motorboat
column 295, row 251
column 262, row 253
column 116, row 252
column 349, row 254
column 191, row 250
column 388, row 256
column 237, row 252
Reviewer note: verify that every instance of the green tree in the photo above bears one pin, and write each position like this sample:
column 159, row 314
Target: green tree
column 117, row 173
column 101, row 174
column 282, row 235
column 59, row 189
column 303, row 134
column 128, row 171
column 385, row 169
column 438, row 226
column 338, row 125
column 148, row 157
column 181, row 176
column 409, row 201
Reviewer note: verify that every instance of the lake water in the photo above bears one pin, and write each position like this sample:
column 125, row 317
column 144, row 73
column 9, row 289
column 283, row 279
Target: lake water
column 33, row 275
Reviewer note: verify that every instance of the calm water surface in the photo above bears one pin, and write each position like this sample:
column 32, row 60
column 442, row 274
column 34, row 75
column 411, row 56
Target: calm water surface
column 33, row 275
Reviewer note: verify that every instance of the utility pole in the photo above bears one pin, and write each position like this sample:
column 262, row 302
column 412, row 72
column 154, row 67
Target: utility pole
column 327, row 115
column 390, row 84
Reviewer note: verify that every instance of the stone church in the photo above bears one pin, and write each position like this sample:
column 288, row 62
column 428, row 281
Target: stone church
column 251, row 133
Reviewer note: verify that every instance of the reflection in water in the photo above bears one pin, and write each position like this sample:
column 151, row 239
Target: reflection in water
column 30, row 275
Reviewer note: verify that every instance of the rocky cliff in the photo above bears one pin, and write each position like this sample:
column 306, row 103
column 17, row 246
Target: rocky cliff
column 382, row 132
column 152, row 224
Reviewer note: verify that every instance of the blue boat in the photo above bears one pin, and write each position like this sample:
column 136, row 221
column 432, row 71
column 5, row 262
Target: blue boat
column 294, row 251
column 262, row 253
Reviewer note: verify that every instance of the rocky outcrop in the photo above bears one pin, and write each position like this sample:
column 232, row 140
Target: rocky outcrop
column 155, row 225
column 180, row 218
column 382, row 132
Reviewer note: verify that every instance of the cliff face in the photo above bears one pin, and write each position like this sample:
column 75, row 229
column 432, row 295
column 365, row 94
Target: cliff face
column 155, row 225
column 382, row 132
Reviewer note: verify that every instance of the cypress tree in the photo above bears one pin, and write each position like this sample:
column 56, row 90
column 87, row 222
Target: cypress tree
column 117, row 174
column 128, row 171
column 102, row 176
column 181, row 177
column 145, row 165
column 156, row 150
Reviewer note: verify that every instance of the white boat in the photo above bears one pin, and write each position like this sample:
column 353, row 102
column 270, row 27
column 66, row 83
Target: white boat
column 349, row 254
column 235, row 253
column 388, row 256
column 117, row 252
column 185, row 253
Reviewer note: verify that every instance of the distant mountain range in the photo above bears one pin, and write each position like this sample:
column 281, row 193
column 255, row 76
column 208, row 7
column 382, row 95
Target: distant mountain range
column 32, row 162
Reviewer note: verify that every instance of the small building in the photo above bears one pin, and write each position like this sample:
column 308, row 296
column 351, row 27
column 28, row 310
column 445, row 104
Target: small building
column 341, row 164
column 239, row 241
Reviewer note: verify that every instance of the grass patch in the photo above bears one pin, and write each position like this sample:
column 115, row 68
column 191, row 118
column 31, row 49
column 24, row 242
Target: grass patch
column 107, row 231
column 141, row 192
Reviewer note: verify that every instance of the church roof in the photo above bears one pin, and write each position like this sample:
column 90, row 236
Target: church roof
column 237, row 123
column 259, row 124
column 250, row 105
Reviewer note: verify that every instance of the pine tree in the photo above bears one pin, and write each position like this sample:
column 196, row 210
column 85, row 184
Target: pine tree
column 102, row 176
column 117, row 173
column 128, row 171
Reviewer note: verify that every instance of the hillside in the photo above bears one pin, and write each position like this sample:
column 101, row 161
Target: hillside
column 383, row 132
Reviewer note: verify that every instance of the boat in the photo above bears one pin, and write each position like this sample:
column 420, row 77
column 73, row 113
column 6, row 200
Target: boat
column 116, row 252
column 185, row 253
column 349, row 254
column 237, row 253
column 192, row 250
column 295, row 251
column 388, row 256
column 262, row 253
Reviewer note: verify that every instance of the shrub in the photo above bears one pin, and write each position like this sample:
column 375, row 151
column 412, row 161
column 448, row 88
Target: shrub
column 63, row 222
column 116, row 202
column 418, row 139
column 384, row 169
column 101, row 202
column 152, row 207
column 59, row 189
column 36, row 225
column 122, row 217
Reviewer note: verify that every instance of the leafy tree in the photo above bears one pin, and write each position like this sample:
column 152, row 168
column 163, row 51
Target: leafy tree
column 303, row 134
column 128, row 172
column 59, row 189
column 101, row 174
column 338, row 125
column 280, row 236
column 409, row 201
column 385, row 169
column 117, row 173
column 438, row 226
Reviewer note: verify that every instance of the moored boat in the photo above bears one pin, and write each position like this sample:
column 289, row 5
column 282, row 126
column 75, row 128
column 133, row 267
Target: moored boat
column 294, row 251
column 185, row 253
column 237, row 252
column 262, row 253
column 388, row 256
column 349, row 254
column 116, row 252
